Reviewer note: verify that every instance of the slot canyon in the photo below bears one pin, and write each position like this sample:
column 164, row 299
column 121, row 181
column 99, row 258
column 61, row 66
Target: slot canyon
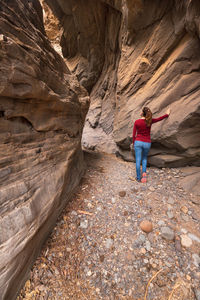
column 74, row 77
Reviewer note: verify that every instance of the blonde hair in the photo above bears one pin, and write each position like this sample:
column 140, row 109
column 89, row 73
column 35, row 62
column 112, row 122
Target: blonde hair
column 148, row 115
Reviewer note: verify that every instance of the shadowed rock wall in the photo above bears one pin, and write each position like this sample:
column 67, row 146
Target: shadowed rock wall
column 134, row 53
column 42, row 112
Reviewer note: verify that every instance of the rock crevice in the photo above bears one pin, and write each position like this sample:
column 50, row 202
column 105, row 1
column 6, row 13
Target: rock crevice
column 150, row 56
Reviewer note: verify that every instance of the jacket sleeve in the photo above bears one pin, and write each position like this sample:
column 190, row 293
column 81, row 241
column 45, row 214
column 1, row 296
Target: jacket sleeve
column 134, row 132
column 159, row 119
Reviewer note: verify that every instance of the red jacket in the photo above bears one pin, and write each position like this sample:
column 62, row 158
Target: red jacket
column 143, row 132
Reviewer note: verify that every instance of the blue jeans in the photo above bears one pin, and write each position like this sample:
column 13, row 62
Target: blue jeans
column 141, row 153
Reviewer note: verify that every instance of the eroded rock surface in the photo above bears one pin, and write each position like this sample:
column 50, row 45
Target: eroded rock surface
column 134, row 53
column 42, row 111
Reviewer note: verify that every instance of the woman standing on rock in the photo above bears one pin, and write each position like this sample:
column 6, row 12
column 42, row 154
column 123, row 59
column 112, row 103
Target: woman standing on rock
column 142, row 140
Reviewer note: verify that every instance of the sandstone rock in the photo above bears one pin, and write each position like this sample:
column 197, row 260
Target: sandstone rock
column 191, row 180
column 194, row 237
column 167, row 233
column 122, row 193
column 186, row 241
column 42, row 111
column 196, row 259
column 136, row 53
column 146, row 226
column 184, row 209
column 197, row 294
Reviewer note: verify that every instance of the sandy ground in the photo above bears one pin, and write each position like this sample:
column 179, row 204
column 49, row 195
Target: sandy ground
column 98, row 251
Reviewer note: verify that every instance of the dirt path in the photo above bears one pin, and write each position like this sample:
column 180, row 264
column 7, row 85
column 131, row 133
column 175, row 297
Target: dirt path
column 98, row 250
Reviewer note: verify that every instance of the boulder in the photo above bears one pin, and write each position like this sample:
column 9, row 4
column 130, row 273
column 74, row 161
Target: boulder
column 129, row 54
column 191, row 179
column 42, row 112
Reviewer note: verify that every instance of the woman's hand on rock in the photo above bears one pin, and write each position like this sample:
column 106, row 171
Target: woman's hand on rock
column 168, row 111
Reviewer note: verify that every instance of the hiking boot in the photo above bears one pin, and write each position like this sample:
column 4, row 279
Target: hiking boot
column 144, row 178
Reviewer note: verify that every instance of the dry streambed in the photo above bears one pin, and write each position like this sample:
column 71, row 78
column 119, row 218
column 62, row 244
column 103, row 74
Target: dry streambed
column 99, row 251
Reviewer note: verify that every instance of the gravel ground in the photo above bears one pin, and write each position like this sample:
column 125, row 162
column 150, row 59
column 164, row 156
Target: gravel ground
column 99, row 251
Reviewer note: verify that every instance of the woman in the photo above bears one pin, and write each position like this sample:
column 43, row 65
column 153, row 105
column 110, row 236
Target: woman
column 142, row 140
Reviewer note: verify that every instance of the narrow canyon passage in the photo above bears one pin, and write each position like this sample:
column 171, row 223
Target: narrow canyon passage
column 98, row 251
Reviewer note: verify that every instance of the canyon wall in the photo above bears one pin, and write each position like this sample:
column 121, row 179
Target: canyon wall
column 42, row 112
column 129, row 54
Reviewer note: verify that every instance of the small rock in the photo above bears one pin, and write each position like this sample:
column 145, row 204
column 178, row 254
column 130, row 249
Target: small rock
column 188, row 277
column 108, row 243
column 196, row 260
column 161, row 223
column 194, row 237
column 89, row 273
column 146, row 226
column 143, row 251
column 186, row 241
column 84, row 224
column 170, row 214
column 142, row 238
column 195, row 216
column 167, row 233
column 168, row 264
column 170, row 200
column 151, row 189
column 197, row 294
column 148, row 246
column 122, row 193
column 178, row 245
column 113, row 200
column 185, row 217
column 184, row 209
column 183, row 230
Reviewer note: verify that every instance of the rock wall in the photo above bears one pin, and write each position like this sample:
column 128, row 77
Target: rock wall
column 42, row 112
column 128, row 54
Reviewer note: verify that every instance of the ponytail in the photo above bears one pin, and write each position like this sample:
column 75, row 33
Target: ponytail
column 147, row 115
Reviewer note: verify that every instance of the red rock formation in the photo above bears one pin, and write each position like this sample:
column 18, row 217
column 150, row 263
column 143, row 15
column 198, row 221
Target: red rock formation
column 42, row 111
column 134, row 53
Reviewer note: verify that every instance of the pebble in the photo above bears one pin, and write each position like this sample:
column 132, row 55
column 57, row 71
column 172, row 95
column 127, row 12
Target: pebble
column 113, row 200
column 146, row 226
column 170, row 200
column 167, row 233
column 183, row 230
column 161, row 223
column 89, row 273
column 122, row 193
column 194, row 237
column 143, row 251
column 196, row 260
column 178, row 245
column 142, row 238
column 185, row 218
column 184, row 209
column 197, row 294
column 108, row 243
column 151, row 189
column 84, row 224
column 148, row 246
column 186, row 241
column 170, row 214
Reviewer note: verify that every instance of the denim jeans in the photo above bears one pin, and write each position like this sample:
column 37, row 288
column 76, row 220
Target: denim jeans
column 141, row 153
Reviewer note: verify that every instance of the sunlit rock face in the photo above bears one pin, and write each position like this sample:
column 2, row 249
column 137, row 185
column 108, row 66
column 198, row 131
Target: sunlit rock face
column 134, row 53
column 42, row 112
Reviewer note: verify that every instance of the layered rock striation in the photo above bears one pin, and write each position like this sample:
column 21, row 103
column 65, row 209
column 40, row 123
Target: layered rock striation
column 128, row 54
column 42, row 112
